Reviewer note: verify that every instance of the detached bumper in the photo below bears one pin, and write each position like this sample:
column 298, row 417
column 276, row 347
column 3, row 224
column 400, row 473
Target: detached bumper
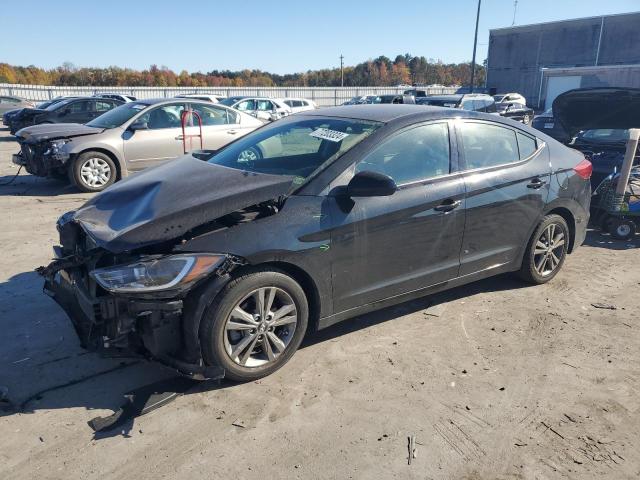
column 117, row 326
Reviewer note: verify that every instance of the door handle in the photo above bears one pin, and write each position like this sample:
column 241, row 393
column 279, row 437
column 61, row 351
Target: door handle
column 180, row 137
column 447, row 205
column 536, row 183
column 232, row 132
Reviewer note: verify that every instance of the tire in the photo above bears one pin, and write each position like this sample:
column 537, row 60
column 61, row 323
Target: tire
column 93, row 163
column 542, row 261
column 249, row 155
column 622, row 229
column 220, row 343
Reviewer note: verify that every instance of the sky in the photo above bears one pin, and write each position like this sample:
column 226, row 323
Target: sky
column 276, row 36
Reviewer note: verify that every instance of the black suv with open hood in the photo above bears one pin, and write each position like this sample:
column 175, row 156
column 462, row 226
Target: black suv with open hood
column 597, row 122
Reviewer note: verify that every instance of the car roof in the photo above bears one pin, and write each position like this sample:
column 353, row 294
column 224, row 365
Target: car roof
column 387, row 112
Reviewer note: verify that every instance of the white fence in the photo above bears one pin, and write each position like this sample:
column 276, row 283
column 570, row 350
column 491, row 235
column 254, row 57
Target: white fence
column 323, row 96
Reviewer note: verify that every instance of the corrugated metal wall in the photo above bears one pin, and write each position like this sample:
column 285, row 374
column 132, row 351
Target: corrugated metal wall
column 323, row 96
column 517, row 55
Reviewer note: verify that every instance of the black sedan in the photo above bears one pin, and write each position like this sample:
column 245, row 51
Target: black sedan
column 218, row 263
column 69, row 110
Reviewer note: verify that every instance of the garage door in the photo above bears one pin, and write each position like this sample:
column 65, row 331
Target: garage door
column 558, row 85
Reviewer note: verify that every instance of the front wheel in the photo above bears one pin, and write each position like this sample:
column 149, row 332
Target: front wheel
column 546, row 251
column 93, row 172
column 255, row 325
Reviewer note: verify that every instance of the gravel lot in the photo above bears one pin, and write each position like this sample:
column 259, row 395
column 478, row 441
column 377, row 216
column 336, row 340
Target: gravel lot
column 496, row 380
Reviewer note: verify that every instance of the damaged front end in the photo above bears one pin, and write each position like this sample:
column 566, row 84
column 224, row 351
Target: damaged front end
column 43, row 159
column 135, row 304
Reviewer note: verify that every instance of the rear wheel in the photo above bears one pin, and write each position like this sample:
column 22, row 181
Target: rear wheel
column 622, row 229
column 546, row 251
column 255, row 325
column 93, row 171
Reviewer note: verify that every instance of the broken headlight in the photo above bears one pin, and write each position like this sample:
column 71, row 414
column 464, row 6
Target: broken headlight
column 56, row 145
column 156, row 274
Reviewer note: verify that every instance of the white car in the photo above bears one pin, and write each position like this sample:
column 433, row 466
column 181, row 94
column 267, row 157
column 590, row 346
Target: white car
column 263, row 108
column 509, row 98
column 116, row 96
column 208, row 97
column 300, row 104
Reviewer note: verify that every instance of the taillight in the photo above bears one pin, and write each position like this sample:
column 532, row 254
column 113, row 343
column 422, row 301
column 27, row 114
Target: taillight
column 584, row 169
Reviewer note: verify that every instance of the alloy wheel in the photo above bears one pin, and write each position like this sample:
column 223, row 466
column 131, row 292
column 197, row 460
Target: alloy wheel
column 549, row 250
column 95, row 172
column 260, row 327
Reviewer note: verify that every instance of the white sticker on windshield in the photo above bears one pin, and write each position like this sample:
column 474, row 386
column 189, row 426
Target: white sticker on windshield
column 450, row 105
column 139, row 106
column 331, row 135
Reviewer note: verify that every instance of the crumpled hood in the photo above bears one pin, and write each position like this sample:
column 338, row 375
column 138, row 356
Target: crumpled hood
column 165, row 202
column 52, row 131
column 591, row 108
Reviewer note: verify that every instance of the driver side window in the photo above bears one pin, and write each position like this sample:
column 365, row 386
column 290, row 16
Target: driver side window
column 413, row 155
column 167, row 116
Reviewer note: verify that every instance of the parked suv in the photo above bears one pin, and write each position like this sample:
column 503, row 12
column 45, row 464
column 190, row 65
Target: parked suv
column 131, row 137
column 72, row 110
column 478, row 102
column 299, row 104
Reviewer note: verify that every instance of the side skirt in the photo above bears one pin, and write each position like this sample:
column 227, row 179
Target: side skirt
column 414, row 294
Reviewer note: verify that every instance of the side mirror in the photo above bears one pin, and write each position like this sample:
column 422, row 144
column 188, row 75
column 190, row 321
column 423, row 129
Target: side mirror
column 371, row 184
column 139, row 126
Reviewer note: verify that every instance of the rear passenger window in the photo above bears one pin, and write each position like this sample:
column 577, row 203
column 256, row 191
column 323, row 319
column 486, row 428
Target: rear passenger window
column 417, row 154
column 527, row 145
column 487, row 145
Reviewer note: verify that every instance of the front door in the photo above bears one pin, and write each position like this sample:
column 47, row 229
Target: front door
column 386, row 246
column 507, row 183
column 161, row 141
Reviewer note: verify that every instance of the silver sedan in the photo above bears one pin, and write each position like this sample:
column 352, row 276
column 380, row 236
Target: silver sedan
column 129, row 138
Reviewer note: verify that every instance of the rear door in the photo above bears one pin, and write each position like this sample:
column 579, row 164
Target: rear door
column 506, row 177
column 387, row 246
column 161, row 141
column 219, row 127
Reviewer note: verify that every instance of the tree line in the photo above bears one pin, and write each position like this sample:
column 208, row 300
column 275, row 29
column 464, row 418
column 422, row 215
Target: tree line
column 382, row 71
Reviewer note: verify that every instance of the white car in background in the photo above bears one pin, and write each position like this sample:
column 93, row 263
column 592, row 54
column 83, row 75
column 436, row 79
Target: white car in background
column 263, row 108
column 300, row 104
column 504, row 98
column 207, row 97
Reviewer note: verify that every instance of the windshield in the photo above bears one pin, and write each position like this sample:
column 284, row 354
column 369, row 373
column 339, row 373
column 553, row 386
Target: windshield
column 297, row 147
column 608, row 135
column 230, row 101
column 116, row 117
column 440, row 102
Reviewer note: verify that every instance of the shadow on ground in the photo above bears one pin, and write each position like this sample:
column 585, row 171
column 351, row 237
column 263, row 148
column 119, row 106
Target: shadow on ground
column 31, row 186
column 44, row 368
column 598, row 239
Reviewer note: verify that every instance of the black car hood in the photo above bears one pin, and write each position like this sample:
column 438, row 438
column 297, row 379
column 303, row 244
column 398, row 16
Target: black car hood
column 165, row 202
column 591, row 108
column 52, row 131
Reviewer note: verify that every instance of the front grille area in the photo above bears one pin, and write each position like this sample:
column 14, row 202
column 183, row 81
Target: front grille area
column 34, row 161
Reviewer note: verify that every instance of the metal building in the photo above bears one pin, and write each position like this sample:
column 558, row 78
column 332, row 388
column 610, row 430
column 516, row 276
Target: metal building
column 543, row 60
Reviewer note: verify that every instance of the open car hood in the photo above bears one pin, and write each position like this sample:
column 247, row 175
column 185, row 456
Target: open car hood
column 164, row 203
column 592, row 108
column 53, row 131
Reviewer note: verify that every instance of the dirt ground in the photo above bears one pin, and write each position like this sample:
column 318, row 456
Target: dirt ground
column 496, row 380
